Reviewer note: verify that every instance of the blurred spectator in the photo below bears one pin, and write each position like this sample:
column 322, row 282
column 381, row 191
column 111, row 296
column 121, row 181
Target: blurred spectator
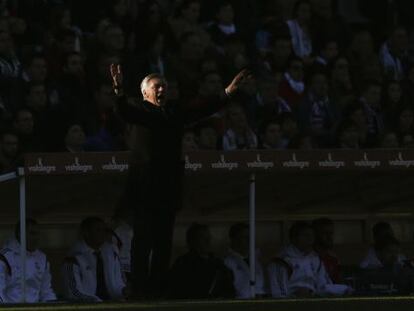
column 289, row 127
column 292, row 87
column 341, row 85
column 279, row 54
column 23, row 124
column 189, row 141
column 389, row 140
column 239, row 135
column 38, row 287
column 324, row 231
column 92, row 271
column 298, row 271
column 269, row 100
column 223, row 25
column 300, row 30
column 237, row 260
column 75, row 138
column 405, row 122
column 9, row 151
column 393, row 54
column 198, row 274
column 317, row 114
column 393, row 102
column 381, row 231
column 327, row 53
column 207, row 138
column 271, row 136
column 348, row 135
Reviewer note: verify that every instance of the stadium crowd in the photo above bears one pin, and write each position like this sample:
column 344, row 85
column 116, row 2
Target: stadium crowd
column 98, row 266
column 325, row 77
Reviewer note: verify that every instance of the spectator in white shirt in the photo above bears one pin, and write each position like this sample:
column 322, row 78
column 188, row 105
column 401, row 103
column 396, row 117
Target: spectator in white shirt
column 38, row 287
column 238, row 261
column 92, row 271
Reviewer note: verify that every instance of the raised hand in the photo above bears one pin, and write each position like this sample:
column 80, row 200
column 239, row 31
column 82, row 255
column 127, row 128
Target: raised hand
column 241, row 78
column 116, row 74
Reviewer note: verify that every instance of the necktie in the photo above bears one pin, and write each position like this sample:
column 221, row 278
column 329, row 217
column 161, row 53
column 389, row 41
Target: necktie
column 101, row 289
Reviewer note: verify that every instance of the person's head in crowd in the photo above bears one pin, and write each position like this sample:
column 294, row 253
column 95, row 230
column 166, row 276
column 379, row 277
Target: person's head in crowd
column 191, row 47
column 268, row 90
column 302, row 237
column 398, row 41
column 209, row 64
column 104, row 96
column 319, row 86
column 324, row 231
column 328, row 50
column 322, row 9
column 6, row 44
column 32, row 234
column 371, row 94
column 236, row 118
column 60, row 18
column 207, row 138
column 23, row 122
column 211, row 84
column 113, row 39
column 372, row 71
column 36, row 68
column 340, row 71
column 9, row 145
column 302, row 142
column 66, row 41
column 198, row 239
column 407, row 141
column 189, row 142
column 271, row 135
column 381, row 230
column 74, row 65
column 288, row 125
column 154, row 89
column 151, row 14
column 281, row 50
column 239, row 238
column 100, row 29
column 405, row 122
column 36, row 97
column 189, row 11
column 362, row 45
column 224, row 13
column 302, row 12
column 75, row 138
column 348, row 135
column 393, row 93
column 389, row 140
column 296, row 69
column 233, row 46
column 356, row 114
column 93, row 231
column 118, row 9
column 388, row 251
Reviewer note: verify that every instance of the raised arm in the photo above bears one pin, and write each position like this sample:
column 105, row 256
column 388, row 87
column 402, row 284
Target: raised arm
column 212, row 103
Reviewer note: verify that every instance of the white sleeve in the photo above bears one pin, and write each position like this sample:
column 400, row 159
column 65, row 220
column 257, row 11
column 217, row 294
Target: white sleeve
column 73, row 285
column 119, row 278
column 278, row 280
column 46, row 290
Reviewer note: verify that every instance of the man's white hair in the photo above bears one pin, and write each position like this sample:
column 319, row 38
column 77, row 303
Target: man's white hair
column 147, row 79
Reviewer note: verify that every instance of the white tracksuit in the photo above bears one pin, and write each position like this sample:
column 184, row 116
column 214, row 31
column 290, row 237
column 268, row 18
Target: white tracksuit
column 79, row 273
column 296, row 270
column 125, row 233
column 241, row 273
column 38, row 279
column 371, row 260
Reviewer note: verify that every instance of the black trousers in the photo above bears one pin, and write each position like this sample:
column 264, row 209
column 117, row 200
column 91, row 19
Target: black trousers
column 156, row 195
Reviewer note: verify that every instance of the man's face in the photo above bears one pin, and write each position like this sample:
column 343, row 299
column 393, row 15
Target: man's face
column 9, row 146
column 324, row 236
column 74, row 65
column 156, row 92
column 208, row 138
column 192, row 12
column 75, row 136
column 237, row 117
column 394, row 92
column 331, row 51
column 373, row 96
column 38, row 70
column 37, row 98
column 24, row 122
column 32, row 237
column 273, row 135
